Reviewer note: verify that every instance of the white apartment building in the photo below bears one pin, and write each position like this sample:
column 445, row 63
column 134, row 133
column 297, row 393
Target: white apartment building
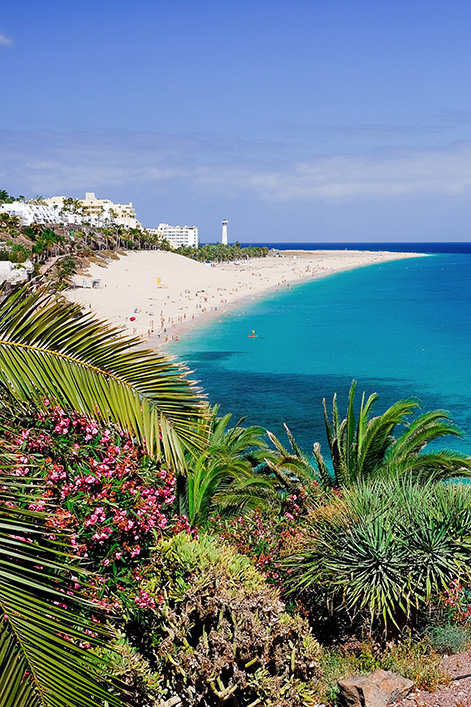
column 101, row 210
column 179, row 235
column 97, row 212
column 39, row 213
column 123, row 214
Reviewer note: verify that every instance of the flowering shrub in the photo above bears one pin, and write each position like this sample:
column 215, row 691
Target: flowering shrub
column 269, row 538
column 261, row 538
column 455, row 603
column 101, row 488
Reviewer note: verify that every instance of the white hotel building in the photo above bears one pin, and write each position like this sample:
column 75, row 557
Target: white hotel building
column 179, row 235
column 39, row 213
column 101, row 210
column 96, row 212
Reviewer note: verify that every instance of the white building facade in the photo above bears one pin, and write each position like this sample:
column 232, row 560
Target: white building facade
column 123, row 214
column 96, row 212
column 39, row 213
column 100, row 211
column 179, row 235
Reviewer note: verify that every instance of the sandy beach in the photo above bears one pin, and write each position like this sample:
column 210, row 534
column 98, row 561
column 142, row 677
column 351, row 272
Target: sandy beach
column 161, row 295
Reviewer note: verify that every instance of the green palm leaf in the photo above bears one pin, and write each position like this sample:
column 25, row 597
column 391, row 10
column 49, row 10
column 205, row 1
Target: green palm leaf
column 48, row 347
column 324, row 475
column 378, row 438
column 367, row 449
column 224, row 475
column 406, row 455
column 42, row 663
column 292, row 469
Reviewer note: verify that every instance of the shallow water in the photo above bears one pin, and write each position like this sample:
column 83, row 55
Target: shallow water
column 401, row 329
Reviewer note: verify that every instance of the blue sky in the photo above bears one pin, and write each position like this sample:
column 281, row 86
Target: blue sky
column 299, row 120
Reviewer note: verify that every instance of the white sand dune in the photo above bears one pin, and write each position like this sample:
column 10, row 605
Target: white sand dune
column 130, row 295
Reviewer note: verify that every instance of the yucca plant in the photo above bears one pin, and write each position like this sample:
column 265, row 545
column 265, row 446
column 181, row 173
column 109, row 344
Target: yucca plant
column 391, row 546
column 44, row 626
column 50, row 348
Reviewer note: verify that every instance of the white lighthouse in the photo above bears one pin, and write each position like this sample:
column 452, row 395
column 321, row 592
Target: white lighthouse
column 224, row 233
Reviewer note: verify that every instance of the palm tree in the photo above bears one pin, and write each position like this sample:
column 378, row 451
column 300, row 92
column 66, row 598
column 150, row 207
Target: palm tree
column 365, row 448
column 9, row 223
column 223, row 478
column 43, row 629
column 292, row 469
column 50, row 348
column 5, row 198
column 36, row 230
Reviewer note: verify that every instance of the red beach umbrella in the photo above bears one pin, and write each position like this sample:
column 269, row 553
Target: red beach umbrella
column 132, row 319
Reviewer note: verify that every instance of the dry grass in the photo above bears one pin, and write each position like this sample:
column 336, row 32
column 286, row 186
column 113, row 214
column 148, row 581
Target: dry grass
column 417, row 661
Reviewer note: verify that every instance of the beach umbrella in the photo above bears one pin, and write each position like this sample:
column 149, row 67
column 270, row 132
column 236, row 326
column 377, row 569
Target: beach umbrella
column 132, row 319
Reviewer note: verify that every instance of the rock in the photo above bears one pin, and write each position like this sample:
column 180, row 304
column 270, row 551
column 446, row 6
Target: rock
column 378, row 689
column 172, row 702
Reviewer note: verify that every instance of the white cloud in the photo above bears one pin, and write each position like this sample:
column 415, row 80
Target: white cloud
column 440, row 173
column 5, row 41
column 45, row 162
column 55, row 163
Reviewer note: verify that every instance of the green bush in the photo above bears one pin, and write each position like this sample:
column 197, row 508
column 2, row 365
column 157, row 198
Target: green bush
column 15, row 253
column 449, row 638
column 218, row 633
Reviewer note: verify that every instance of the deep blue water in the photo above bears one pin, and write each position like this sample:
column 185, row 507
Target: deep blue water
column 408, row 247
column 401, row 329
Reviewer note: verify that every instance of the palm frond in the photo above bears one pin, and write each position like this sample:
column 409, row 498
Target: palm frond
column 243, row 495
column 293, row 469
column 441, row 465
column 294, row 445
column 378, row 435
column 43, row 628
column 232, row 454
column 326, row 478
column 350, row 441
column 365, row 411
column 50, row 348
column 425, row 429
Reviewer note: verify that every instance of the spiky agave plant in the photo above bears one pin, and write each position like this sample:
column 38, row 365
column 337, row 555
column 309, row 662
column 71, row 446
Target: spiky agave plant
column 388, row 547
column 50, row 348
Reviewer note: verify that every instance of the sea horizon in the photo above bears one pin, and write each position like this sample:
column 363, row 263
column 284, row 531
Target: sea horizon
column 393, row 247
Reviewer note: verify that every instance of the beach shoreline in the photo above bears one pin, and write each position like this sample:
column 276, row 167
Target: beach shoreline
column 161, row 296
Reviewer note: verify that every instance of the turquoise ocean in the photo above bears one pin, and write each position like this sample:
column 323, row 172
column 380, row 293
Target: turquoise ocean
column 401, row 329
